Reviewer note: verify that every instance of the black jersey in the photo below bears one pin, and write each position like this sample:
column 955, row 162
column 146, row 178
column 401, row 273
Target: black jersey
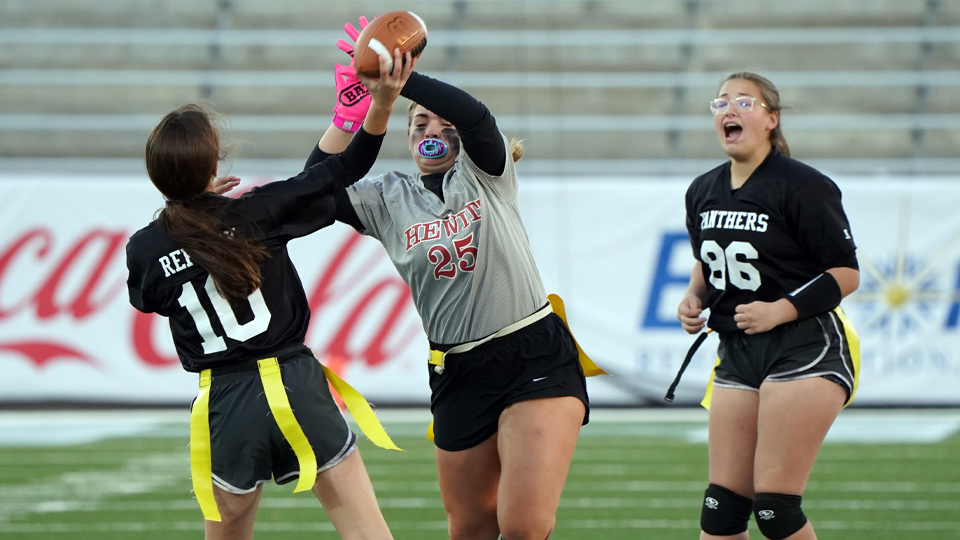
column 778, row 231
column 207, row 330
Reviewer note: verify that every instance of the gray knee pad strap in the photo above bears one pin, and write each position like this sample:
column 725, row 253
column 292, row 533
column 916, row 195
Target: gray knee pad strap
column 778, row 514
column 724, row 513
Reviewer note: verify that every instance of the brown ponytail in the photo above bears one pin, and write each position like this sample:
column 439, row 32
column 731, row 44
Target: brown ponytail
column 181, row 157
column 771, row 97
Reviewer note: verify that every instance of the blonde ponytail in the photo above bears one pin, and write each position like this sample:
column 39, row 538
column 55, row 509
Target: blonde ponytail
column 516, row 149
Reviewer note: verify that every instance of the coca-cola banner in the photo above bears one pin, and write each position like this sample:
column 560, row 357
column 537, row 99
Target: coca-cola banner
column 616, row 250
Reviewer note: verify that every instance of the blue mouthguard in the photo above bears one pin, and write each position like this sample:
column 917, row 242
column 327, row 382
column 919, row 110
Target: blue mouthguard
column 432, row 148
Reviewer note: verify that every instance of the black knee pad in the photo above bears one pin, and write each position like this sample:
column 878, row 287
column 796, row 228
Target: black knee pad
column 778, row 514
column 724, row 513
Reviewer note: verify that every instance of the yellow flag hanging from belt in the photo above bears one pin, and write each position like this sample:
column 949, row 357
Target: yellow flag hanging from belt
column 590, row 369
column 283, row 414
column 361, row 411
column 270, row 375
column 201, row 473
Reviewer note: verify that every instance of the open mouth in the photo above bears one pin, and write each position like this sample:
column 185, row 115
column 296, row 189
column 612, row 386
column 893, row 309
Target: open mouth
column 732, row 131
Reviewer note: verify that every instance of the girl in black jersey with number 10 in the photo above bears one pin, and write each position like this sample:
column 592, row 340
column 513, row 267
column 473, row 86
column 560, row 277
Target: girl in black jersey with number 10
column 218, row 268
column 775, row 255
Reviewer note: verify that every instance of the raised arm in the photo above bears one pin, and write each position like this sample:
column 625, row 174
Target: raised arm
column 479, row 135
column 358, row 153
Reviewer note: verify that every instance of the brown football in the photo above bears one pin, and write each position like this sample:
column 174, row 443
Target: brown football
column 402, row 30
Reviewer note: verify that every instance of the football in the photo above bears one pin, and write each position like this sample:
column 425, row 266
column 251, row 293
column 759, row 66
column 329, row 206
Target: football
column 402, row 30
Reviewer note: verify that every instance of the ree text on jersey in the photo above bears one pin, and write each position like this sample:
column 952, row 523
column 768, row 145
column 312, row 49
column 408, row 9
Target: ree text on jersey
column 725, row 219
column 171, row 264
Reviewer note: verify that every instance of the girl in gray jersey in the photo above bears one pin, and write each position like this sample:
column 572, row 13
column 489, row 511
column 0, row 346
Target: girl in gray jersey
column 508, row 392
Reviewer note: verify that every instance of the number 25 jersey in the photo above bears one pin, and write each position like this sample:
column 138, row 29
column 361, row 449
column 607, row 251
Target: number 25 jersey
column 466, row 258
column 782, row 228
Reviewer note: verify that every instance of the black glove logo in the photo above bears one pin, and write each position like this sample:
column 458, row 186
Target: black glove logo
column 352, row 94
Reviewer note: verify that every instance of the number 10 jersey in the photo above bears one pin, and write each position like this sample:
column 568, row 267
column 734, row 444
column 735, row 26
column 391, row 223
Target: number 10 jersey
column 782, row 228
column 207, row 330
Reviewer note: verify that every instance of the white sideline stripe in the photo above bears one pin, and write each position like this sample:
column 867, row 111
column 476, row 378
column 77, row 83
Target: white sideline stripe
column 186, row 37
column 833, row 525
column 45, row 428
column 580, row 486
column 307, row 502
column 697, row 486
column 512, row 80
column 142, row 474
column 528, row 123
column 138, row 526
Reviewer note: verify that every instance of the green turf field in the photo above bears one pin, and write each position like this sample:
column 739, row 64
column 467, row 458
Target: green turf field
column 629, row 480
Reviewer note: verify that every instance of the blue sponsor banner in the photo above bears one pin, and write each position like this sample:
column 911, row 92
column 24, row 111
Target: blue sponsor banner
column 619, row 253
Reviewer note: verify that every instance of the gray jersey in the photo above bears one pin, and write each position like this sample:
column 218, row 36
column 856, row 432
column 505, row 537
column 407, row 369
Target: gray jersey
column 466, row 260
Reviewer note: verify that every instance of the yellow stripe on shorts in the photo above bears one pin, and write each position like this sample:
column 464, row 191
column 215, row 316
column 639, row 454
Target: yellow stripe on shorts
column 853, row 343
column 361, row 412
column 283, row 414
column 201, row 468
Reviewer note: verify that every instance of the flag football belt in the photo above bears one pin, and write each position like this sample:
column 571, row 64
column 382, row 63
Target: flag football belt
column 555, row 305
column 437, row 357
column 201, row 469
column 849, row 333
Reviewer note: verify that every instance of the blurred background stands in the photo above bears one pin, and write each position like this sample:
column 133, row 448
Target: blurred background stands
column 616, row 87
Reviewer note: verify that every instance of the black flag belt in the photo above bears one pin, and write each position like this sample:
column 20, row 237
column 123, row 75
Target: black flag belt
column 686, row 362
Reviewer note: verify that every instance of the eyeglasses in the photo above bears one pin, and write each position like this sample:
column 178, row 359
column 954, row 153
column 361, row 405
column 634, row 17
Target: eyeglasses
column 742, row 104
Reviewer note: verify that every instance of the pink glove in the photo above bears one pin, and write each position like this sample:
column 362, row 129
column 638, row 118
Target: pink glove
column 344, row 45
column 353, row 100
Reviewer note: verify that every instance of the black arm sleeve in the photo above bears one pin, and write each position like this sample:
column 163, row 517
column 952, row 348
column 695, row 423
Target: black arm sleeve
column 316, row 156
column 369, row 145
column 476, row 125
column 359, row 156
column 345, row 211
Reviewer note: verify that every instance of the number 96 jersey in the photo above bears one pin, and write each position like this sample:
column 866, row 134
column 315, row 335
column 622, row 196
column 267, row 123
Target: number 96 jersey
column 782, row 228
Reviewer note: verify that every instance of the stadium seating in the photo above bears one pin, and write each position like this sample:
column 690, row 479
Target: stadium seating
column 593, row 86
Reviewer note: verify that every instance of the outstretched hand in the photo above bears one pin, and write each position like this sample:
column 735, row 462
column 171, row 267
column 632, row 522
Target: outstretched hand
column 351, row 31
column 225, row 184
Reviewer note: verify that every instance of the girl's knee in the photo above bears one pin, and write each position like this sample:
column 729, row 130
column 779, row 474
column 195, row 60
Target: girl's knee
column 472, row 523
column 519, row 526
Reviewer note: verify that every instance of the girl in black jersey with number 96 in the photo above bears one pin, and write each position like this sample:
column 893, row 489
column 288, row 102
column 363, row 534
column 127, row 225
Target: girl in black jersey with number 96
column 775, row 255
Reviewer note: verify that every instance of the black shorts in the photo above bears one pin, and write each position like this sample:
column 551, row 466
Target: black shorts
column 538, row 361
column 814, row 347
column 246, row 444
